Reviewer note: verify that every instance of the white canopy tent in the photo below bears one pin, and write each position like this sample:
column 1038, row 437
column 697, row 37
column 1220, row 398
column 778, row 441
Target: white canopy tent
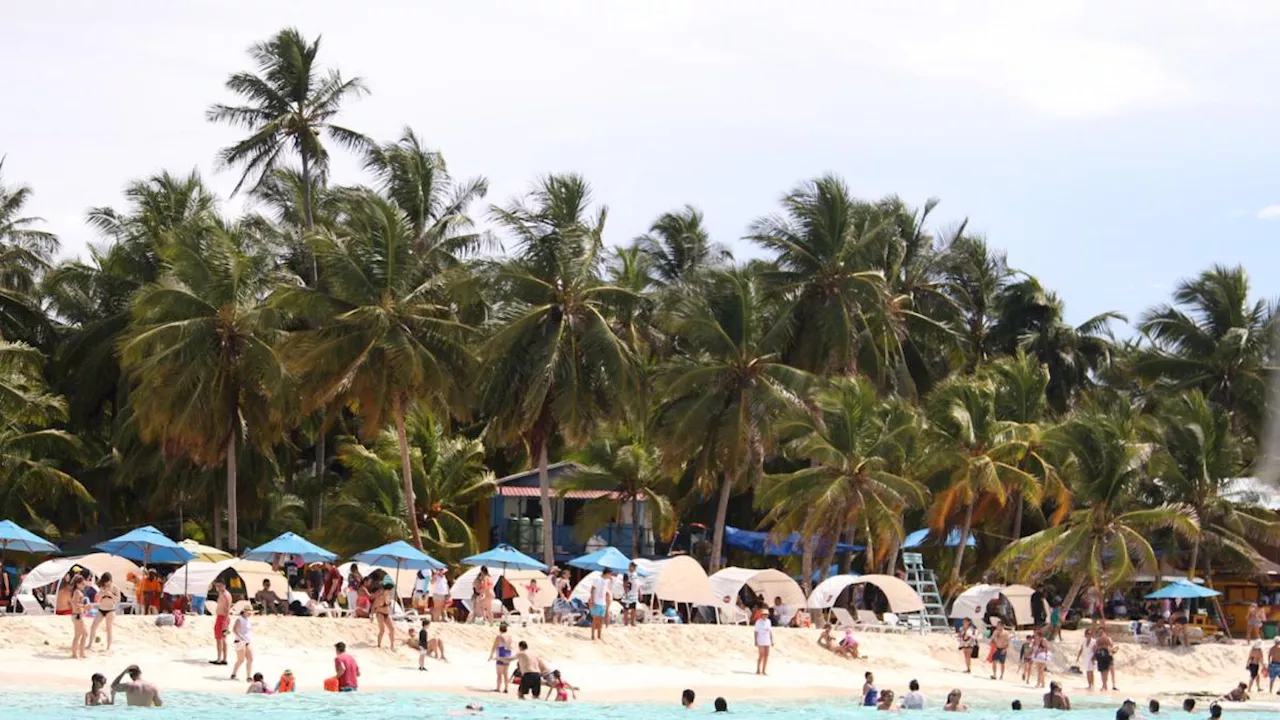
column 678, row 579
column 243, row 577
column 828, row 591
column 767, row 584
column 582, row 591
column 901, row 596
column 52, row 571
column 519, row 579
column 972, row 603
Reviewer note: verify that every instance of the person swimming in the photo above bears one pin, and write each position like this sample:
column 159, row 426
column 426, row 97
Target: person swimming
column 98, row 694
column 869, row 693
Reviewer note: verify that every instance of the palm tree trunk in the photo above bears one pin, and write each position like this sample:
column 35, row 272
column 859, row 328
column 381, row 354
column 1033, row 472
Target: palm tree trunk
column 320, row 468
column 1070, row 600
column 1019, row 508
column 806, row 564
column 406, row 473
column 306, row 211
column 1195, row 556
column 869, row 566
column 722, row 514
column 635, row 526
column 544, row 495
column 846, row 559
column 891, row 561
column 217, row 520
column 964, row 542
column 233, row 520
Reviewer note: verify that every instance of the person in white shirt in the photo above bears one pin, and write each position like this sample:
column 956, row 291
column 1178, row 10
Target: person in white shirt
column 764, row 641
column 913, row 700
column 600, row 603
column 439, row 594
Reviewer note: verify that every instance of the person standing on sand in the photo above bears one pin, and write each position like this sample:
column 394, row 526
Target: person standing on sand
column 108, row 597
column 1039, row 656
column 1253, row 622
column 439, row 594
column 1273, row 664
column 1254, row 665
column 530, row 668
column 221, row 621
column 138, row 692
column 78, row 604
column 600, row 603
column 346, row 670
column 381, row 610
column 500, row 655
column 1000, row 639
column 1086, row 652
column 630, row 595
column 244, row 643
column 764, row 641
column 967, row 641
column 1104, row 655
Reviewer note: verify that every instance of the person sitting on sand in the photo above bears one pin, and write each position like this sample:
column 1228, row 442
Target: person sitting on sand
column 97, row 694
column 1239, row 694
column 1055, row 699
column 953, row 702
column 258, row 686
column 268, row 600
column 286, row 683
column 848, row 645
column 562, row 688
column 137, row 692
column 886, row 701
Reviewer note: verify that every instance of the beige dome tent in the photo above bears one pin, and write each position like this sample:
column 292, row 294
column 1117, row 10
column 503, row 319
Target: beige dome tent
column 766, row 584
column 902, row 598
column 678, row 579
column 243, row 578
column 123, row 571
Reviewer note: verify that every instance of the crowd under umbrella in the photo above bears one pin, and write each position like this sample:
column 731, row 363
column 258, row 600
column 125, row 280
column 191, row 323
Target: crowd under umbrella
column 15, row 538
column 147, row 545
column 505, row 558
column 608, row 558
column 399, row 555
column 287, row 546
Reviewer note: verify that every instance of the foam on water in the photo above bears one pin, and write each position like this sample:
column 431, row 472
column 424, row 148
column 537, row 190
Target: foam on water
column 403, row 706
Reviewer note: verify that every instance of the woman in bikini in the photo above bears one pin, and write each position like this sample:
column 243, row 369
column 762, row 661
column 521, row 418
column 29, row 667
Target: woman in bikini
column 484, row 595
column 78, row 605
column 108, row 597
column 382, row 614
column 500, row 654
column 562, row 688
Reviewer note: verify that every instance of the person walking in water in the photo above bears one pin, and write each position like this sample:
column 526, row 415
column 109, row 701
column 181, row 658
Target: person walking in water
column 500, row 654
column 108, row 598
column 244, row 643
column 221, row 621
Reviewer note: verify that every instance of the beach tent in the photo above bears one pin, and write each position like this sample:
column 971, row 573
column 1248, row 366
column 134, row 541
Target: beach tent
column 519, row 579
column 767, row 584
column 205, row 553
column 52, row 571
column 678, row 579
column 902, row 599
column 972, row 603
column 828, row 591
column 406, row 580
column 243, row 578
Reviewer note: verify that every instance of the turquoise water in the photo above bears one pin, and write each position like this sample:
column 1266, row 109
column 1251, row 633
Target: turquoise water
column 403, row 706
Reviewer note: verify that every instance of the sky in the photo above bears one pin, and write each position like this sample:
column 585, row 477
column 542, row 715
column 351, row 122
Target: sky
column 1110, row 148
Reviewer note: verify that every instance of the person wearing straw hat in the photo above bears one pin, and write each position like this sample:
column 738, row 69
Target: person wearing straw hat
column 243, row 632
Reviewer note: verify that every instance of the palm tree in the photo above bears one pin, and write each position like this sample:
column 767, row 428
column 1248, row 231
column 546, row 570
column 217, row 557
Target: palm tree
column 1106, row 538
column 553, row 362
column 288, row 104
column 1198, row 458
column 722, row 399
column 854, row 444
column 632, row 472
column 679, row 247
column 25, row 253
column 836, row 305
column 384, row 335
column 449, row 477
column 975, row 275
column 977, row 454
column 200, row 353
column 33, row 480
column 1213, row 339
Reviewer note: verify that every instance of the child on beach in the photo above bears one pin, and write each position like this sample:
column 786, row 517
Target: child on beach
column 561, row 687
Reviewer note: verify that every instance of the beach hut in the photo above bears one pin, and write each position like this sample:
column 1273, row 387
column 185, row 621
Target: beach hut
column 51, row 572
column 728, row 583
column 972, row 603
column 828, row 592
column 243, row 578
column 901, row 597
column 519, row 579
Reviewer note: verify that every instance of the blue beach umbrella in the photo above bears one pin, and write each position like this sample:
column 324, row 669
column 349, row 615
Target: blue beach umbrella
column 609, row 558
column 505, row 557
column 1182, row 589
column 920, row 537
column 147, row 545
column 18, row 539
column 399, row 555
column 290, row 545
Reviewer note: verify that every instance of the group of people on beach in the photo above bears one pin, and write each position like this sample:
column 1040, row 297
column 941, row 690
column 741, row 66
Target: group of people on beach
column 530, row 671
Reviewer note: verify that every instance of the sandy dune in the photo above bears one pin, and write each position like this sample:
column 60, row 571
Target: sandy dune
column 644, row 663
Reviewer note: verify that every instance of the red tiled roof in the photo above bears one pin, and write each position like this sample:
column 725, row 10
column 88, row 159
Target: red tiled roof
column 517, row 491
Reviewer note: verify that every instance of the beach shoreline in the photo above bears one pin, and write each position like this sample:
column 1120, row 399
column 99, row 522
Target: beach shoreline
column 649, row 663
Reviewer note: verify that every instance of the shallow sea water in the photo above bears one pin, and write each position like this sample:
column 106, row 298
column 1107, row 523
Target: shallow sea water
column 403, row 705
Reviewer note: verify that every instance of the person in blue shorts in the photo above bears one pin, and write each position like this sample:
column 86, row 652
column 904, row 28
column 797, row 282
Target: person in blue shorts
column 600, row 603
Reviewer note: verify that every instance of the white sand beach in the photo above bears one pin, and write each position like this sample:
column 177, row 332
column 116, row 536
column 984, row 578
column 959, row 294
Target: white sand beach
column 645, row 663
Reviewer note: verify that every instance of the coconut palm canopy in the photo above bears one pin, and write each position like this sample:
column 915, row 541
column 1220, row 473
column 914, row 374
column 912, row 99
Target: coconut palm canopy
column 354, row 359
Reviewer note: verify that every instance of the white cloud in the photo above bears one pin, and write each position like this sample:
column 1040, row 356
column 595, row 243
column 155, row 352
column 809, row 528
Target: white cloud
column 1270, row 212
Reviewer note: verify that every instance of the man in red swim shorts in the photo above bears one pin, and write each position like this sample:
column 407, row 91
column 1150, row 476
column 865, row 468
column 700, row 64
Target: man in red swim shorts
column 221, row 622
